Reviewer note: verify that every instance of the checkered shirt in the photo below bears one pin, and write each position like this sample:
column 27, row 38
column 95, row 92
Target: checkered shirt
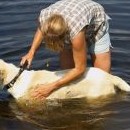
column 79, row 14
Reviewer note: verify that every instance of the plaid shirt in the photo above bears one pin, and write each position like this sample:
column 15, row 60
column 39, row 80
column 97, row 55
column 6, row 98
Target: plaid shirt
column 79, row 14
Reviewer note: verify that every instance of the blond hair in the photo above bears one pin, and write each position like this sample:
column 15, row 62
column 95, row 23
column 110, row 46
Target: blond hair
column 54, row 31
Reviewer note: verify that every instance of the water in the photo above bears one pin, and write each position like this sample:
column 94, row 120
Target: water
column 18, row 22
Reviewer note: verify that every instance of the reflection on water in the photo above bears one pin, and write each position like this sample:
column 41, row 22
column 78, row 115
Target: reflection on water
column 74, row 114
column 17, row 26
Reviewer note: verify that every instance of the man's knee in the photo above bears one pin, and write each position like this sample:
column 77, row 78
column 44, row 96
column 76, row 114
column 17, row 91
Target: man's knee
column 102, row 61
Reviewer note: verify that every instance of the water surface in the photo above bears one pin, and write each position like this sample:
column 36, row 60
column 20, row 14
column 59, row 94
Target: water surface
column 18, row 22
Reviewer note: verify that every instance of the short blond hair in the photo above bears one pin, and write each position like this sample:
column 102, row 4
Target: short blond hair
column 54, row 31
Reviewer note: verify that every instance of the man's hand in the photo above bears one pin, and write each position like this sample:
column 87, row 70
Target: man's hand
column 42, row 91
column 27, row 58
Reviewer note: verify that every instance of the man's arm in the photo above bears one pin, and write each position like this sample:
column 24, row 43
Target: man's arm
column 37, row 40
column 80, row 57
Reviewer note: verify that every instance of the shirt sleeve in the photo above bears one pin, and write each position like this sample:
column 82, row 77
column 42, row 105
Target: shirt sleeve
column 44, row 15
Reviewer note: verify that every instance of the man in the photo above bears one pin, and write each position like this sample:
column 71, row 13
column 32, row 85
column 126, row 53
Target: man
column 73, row 28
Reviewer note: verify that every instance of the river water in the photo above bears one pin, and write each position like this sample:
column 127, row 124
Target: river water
column 18, row 22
